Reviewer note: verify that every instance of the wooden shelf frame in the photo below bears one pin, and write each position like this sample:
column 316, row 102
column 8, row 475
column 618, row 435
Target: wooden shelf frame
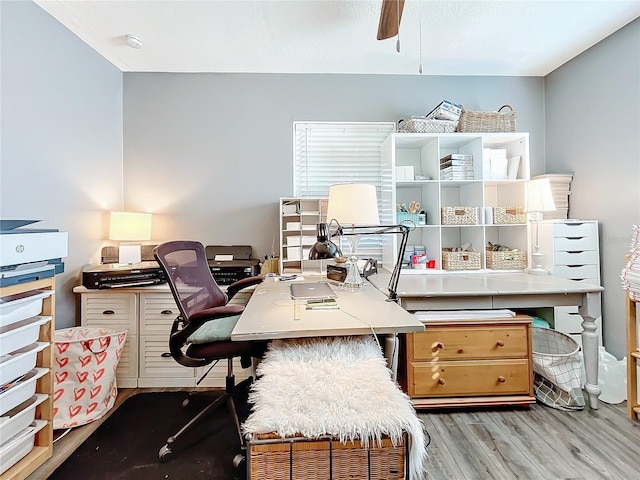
column 633, row 407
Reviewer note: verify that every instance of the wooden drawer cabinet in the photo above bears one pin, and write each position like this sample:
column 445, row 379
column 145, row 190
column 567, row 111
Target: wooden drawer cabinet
column 470, row 362
column 147, row 314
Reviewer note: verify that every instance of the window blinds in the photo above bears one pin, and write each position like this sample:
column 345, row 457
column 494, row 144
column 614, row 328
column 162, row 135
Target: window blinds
column 326, row 153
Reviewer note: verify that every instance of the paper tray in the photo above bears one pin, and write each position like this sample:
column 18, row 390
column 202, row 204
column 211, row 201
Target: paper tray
column 21, row 334
column 21, row 391
column 19, row 418
column 21, row 306
column 19, row 446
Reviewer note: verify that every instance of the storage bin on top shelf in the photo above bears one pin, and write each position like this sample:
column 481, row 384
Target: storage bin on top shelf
column 486, row 122
column 459, row 215
column 426, row 125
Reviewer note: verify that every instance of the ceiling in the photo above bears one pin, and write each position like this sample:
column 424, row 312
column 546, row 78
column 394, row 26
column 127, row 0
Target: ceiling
column 448, row 37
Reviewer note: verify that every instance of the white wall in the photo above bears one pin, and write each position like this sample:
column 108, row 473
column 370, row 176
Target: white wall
column 592, row 129
column 61, row 152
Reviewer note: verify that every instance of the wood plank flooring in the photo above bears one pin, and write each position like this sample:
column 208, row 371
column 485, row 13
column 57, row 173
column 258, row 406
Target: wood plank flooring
column 536, row 443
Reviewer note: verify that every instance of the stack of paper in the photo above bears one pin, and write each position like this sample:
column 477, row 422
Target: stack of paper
column 561, row 190
column 456, row 166
column 631, row 272
column 494, row 163
column 428, row 315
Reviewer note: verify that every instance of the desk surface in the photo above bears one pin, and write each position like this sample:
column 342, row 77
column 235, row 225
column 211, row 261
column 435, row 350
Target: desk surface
column 482, row 284
column 270, row 314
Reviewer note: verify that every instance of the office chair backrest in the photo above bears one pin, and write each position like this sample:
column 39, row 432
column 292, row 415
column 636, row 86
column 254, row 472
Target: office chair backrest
column 189, row 276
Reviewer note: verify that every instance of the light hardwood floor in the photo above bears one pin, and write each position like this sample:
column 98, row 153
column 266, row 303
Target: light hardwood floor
column 502, row 444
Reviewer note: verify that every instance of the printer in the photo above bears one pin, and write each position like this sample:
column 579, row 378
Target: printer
column 230, row 263
column 28, row 254
column 122, row 275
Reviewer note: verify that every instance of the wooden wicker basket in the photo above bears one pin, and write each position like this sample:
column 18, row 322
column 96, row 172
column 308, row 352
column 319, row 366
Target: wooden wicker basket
column 476, row 121
column 297, row 458
column 506, row 260
column 509, row 215
column 460, row 260
column 459, row 215
column 419, row 125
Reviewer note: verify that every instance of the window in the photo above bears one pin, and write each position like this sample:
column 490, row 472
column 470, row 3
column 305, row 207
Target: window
column 326, row 153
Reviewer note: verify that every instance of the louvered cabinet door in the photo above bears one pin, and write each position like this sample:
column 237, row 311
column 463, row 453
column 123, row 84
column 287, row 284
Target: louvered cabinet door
column 117, row 311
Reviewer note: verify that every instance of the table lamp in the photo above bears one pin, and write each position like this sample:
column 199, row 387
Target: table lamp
column 539, row 199
column 130, row 228
column 352, row 205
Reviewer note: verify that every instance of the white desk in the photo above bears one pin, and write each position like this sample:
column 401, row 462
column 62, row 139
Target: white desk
column 270, row 314
column 457, row 291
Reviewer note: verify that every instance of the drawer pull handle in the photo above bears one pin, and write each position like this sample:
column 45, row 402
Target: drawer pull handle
column 438, row 345
column 165, row 355
column 460, row 350
column 500, row 343
column 166, row 312
column 108, row 312
column 441, row 381
column 501, row 379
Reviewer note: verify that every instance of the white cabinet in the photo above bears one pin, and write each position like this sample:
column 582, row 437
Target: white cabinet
column 482, row 190
column 147, row 314
column 298, row 219
column 571, row 250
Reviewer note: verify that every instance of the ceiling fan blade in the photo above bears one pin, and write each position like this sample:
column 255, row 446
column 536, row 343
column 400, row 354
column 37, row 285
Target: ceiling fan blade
column 390, row 17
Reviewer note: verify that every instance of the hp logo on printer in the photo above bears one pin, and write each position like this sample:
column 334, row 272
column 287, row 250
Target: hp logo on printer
column 19, row 248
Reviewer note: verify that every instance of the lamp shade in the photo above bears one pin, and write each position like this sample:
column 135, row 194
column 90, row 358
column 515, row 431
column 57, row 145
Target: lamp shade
column 353, row 204
column 539, row 197
column 130, row 227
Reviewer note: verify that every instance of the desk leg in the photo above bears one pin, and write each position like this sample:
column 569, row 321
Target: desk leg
column 391, row 346
column 590, row 310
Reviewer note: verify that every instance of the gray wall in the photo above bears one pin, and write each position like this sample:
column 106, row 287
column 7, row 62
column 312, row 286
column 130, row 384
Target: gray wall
column 61, row 130
column 593, row 130
column 210, row 154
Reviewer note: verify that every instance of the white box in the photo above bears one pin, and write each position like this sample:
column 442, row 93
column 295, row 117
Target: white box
column 293, row 241
column 293, row 225
column 21, row 306
column 20, row 334
column 405, row 174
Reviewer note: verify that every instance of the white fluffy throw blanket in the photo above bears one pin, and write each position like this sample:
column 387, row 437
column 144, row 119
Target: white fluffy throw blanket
column 337, row 386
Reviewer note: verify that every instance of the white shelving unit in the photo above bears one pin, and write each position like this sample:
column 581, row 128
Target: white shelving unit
column 298, row 219
column 423, row 152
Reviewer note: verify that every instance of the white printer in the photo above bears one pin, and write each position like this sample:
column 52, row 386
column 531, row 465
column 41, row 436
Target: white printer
column 28, row 254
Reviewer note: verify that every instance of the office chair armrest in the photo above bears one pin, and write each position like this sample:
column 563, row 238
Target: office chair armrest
column 235, row 287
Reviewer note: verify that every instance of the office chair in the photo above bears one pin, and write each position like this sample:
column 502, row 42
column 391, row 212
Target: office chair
column 201, row 334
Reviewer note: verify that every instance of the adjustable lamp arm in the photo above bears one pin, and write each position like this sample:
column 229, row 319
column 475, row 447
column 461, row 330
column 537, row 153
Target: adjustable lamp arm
column 400, row 229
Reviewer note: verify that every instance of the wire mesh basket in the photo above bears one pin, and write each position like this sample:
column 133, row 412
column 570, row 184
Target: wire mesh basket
column 426, row 125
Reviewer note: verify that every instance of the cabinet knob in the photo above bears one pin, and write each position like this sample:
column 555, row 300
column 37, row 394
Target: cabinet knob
column 166, row 312
column 438, row 345
column 460, row 350
column 108, row 312
column 441, row 381
column 501, row 379
column 500, row 343
column 165, row 355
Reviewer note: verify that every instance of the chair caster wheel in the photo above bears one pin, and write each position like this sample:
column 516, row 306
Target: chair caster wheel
column 165, row 454
column 240, row 466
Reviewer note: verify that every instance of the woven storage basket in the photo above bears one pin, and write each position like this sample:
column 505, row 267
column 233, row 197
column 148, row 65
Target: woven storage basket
column 460, row 260
column 275, row 458
column 476, row 121
column 459, row 215
column 418, row 125
column 506, row 260
column 509, row 215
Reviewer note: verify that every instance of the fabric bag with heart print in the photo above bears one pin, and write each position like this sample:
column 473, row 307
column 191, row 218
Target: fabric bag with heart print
column 85, row 374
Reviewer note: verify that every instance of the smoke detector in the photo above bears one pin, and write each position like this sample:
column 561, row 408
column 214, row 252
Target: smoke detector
column 133, row 41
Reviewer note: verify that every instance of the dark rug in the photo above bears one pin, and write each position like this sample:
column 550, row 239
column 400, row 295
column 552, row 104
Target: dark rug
column 126, row 445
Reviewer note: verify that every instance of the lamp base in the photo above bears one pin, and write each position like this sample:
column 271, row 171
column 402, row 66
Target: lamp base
column 353, row 282
column 537, row 271
column 537, row 257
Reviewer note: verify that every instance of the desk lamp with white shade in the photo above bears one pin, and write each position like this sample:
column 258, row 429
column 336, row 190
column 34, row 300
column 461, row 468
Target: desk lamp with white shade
column 130, row 228
column 352, row 205
column 539, row 199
